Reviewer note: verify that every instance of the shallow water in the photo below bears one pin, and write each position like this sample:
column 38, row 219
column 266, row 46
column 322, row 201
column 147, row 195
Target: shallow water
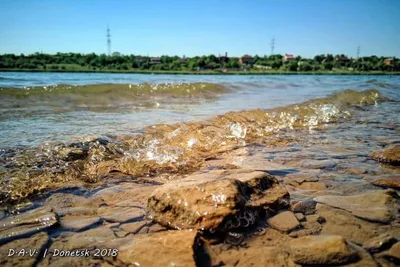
column 43, row 114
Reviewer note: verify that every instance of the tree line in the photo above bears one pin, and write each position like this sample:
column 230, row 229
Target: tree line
column 117, row 61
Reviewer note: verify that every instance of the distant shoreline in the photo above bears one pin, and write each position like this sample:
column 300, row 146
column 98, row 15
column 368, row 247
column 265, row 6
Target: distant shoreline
column 211, row 72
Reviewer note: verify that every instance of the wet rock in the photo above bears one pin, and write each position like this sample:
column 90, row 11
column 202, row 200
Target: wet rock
column 26, row 223
column 73, row 153
column 309, row 228
column 284, row 221
column 319, row 164
column 216, row 199
column 391, row 181
column 76, row 211
column 73, row 205
column 117, row 214
column 300, row 216
column 134, row 227
column 306, row 207
column 375, row 206
column 379, row 243
column 255, row 256
column 390, row 155
column 171, row 248
column 322, row 249
column 341, row 222
column 78, row 223
column 32, row 247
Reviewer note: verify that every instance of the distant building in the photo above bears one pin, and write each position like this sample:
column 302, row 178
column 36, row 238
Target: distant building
column 224, row 59
column 389, row 61
column 246, row 60
column 139, row 59
column 341, row 59
column 155, row 60
column 288, row 57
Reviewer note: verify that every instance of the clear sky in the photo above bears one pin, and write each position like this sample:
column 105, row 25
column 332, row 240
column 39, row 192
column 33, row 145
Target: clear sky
column 197, row 27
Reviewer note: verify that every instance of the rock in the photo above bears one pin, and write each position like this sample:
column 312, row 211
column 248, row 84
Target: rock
column 319, row 164
column 300, row 216
column 394, row 252
column 376, row 206
column 341, row 222
column 309, row 228
column 117, row 214
column 32, row 246
column 392, row 181
column 390, row 155
column 254, row 256
column 315, row 218
column 322, row 249
column 312, row 186
column 133, row 227
column 305, row 206
column 379, row 243
column 26, row 223
column 217, row 199
column 170, row 248
column 73, row 153
column 365, row 259
column 78, row 223
column 284, row 221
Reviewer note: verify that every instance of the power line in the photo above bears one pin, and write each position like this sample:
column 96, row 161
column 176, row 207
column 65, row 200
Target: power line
column 273, row 46
column 108, row 41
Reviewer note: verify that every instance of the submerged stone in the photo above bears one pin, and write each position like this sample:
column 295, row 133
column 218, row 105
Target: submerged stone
column 217, row 200
column 322, row 249
column 378, row 206
column 284, row 221
column 26, row 223
column 389, row 155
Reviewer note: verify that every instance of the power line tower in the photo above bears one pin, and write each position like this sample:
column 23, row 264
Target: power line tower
column 108, row 41
column 272, row 46
column 358, row 52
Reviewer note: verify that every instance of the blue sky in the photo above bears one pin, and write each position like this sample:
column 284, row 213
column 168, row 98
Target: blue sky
column 197, row 27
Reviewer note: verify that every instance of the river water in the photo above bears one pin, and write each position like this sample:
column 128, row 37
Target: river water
column 39, row 112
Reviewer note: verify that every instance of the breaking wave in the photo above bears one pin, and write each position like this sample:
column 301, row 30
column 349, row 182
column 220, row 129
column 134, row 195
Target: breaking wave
column 177, row 148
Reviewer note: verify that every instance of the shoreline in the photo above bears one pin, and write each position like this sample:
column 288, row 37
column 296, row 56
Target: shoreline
column 368, row 73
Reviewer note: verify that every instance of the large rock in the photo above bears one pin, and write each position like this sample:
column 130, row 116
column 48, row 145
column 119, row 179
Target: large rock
column 322, row 249
column 170, row 248
column 217, row 200
column 341, row 222
column 284, row 221
column 391, row 180
column 390, row 155
column 32, row 247
column 377, row 206
column 379, row 243
column 26, row 223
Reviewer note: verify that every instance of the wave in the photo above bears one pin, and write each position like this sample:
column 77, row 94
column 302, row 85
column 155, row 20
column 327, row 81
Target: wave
column 107, row 94
column 177, row 148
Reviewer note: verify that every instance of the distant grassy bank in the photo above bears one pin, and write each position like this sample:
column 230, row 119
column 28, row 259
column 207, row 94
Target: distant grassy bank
column 206, row 72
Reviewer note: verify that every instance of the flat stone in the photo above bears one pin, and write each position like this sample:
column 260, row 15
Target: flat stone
column 391, row 181
column 284, row 221
column 216, row 199
column 389, row 155
column 170, row 248
column 341, row 222
column 379, row 243
column 305, row 206
column 309, row 228
column 312, row 186
column 322, row 249
column 31, row 245
column 77, row 223
column 133, row 227
column 394, row 251
column 375, row 206
column 26, row 223
column 300, row 216
column 319, row 164
column 365, row 259
column 121, row 214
